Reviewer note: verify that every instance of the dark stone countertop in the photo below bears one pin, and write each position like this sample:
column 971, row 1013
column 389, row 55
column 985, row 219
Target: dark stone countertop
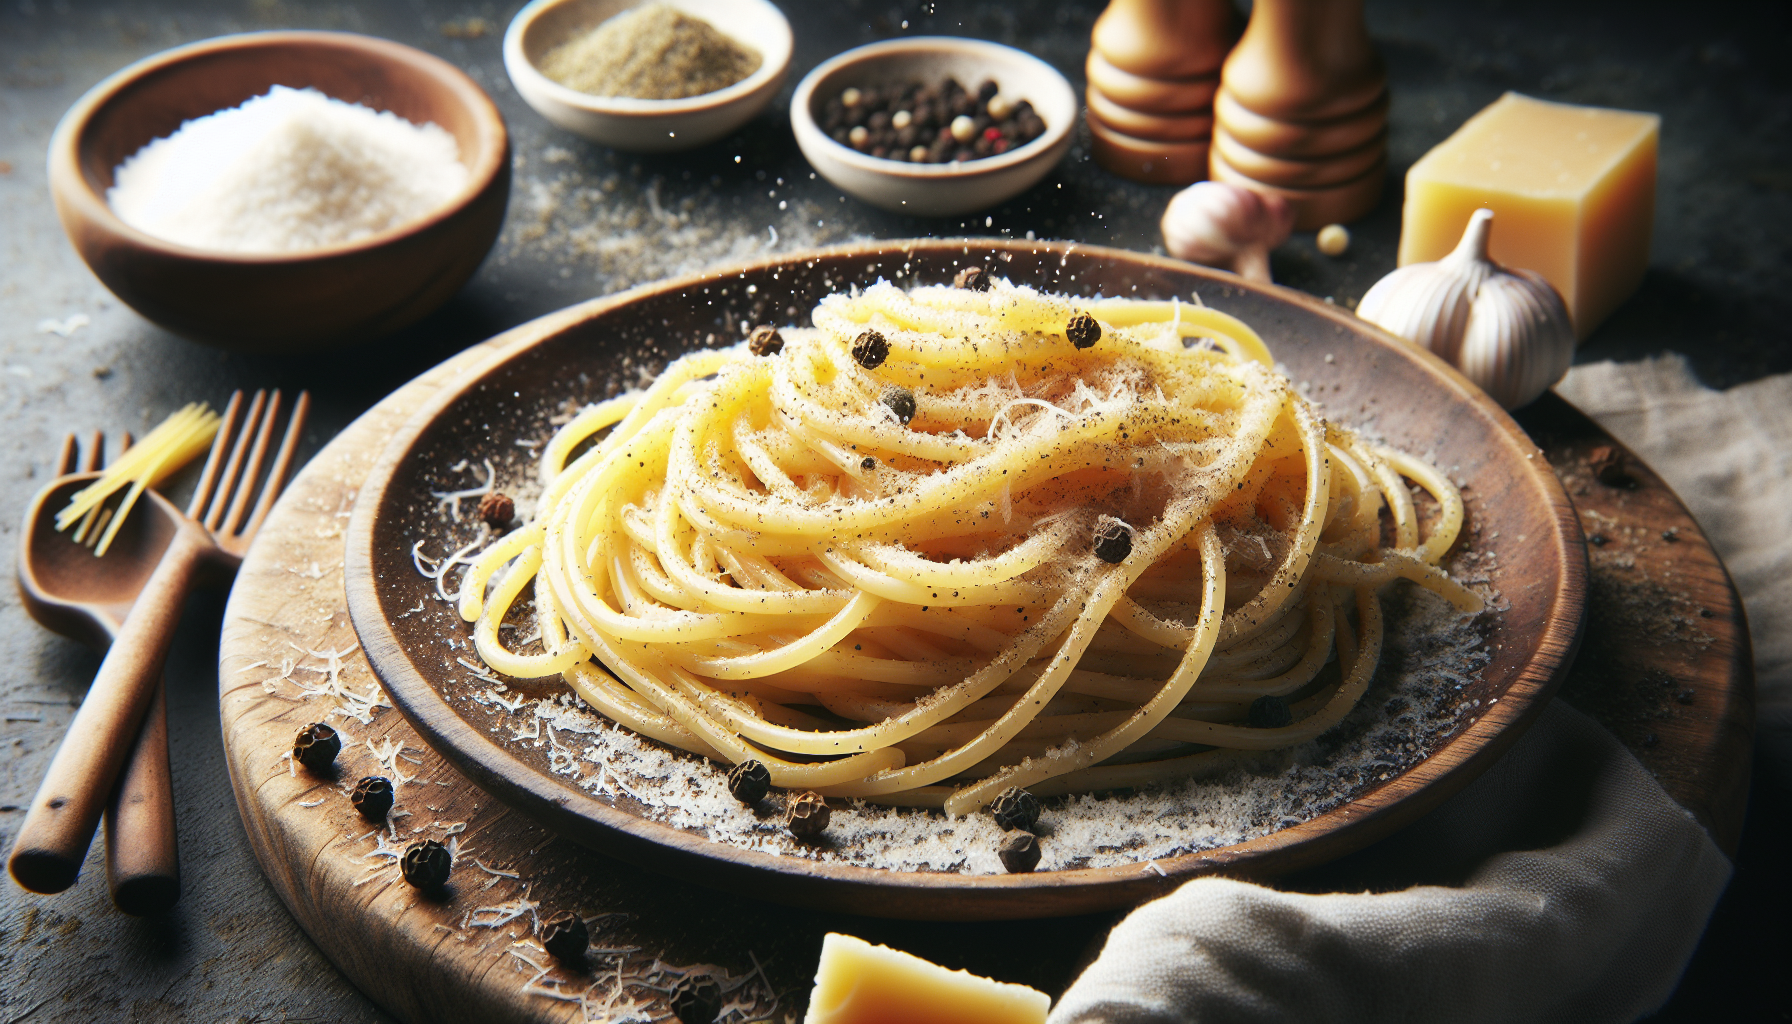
column 585, row 221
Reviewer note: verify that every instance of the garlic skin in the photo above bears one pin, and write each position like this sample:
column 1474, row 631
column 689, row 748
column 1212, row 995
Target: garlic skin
column 1506, row 330
column 1221, row 225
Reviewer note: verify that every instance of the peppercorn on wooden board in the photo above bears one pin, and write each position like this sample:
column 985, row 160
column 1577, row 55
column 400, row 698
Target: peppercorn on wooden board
column 1670, row 680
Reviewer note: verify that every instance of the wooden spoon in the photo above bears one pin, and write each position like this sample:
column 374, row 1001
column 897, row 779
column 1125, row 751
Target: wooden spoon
column 229, row 504
column 68, row 590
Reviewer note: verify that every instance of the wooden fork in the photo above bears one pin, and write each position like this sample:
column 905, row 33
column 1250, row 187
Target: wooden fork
column 216, row 531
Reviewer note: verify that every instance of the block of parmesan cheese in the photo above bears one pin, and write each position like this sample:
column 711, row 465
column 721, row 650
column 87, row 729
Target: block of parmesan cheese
column 858, row 983
column 1572, row 190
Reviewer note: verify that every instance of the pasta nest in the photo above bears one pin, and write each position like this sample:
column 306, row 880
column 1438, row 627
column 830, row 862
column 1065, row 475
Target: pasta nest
column 880, row 576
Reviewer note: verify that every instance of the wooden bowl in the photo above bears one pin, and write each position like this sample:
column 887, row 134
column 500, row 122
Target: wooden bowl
column 647, row 126
column 936, row 190
column 316, row 299
column 1412, row 399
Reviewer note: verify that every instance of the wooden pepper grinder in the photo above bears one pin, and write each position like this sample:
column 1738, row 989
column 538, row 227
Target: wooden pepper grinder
column 1302, row 110
column 1153, row 70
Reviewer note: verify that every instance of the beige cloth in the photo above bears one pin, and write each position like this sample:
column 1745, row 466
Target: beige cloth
column 1562, row 885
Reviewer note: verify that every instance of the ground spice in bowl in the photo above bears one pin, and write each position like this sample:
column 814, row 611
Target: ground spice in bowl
column 651, row 52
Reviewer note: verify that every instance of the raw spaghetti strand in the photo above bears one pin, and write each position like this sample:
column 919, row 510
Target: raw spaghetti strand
column 763, row 559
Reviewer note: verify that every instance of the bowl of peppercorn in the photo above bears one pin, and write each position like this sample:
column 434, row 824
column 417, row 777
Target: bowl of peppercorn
column 648, row 77
column 934, row 125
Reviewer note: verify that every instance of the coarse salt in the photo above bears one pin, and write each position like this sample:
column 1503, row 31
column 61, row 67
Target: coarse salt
column 287, row 172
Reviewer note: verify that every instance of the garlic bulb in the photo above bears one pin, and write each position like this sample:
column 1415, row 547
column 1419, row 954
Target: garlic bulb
column 1225, row 226
column 1506, row 330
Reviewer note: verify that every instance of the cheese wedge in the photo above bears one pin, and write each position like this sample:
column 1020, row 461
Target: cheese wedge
column 858, row 983
column 1572, row 190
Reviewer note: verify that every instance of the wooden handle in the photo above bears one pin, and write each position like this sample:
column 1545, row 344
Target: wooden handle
column 142, row 859
column 59, row 826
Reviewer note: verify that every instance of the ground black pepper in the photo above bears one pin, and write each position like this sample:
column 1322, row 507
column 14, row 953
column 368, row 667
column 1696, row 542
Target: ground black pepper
column 1082, row 330
column 1113, row 541
column 900, row 401
column 918, row 123
column 870, row 350
column 372, row 797
column 765, row 341
column 749, row 781
column 1015, row 808
column 1269, row 713
column 426, row 864
column 651, row 52
column 1019, row 852
column 808, row 817
column 497, row 509
column 317, row 746
column 565, row 937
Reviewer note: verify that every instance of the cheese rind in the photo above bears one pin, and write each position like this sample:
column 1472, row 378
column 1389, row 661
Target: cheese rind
column 1572, row 189
column 859, row 983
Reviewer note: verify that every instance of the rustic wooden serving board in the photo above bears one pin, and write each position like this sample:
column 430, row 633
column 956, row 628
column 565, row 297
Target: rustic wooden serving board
column 1672, row 681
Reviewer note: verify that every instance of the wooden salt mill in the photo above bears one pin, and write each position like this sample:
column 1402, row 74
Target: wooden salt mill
column 1154, row 66
column 1302, row 110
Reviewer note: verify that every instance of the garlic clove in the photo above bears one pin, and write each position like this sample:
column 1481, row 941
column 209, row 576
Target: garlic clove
column 1518, row 342
column 1507, row 330
column 1225, row 226
column 1428, row 303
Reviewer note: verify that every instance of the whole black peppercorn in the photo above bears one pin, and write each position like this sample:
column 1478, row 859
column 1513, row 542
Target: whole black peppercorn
column 697, row 1000
column 749, row 781
column 870, row 350
column 1019, row 852
column 426, row 864
column 497, row 509
column 900, row 401
column 1113, row 541
column 808, row 817
column 1082, row 330
column 565, row 936
column 372, row 797
column 974, row 278
column 1015, row 808
column 765, row 341
column 1269, row 713
column 867, row 463
column 317, row 746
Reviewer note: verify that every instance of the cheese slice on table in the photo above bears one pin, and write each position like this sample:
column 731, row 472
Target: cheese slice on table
column 858, row 983
column 1572, row 190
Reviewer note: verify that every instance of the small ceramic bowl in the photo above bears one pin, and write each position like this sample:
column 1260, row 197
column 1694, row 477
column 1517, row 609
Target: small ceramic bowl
column 936, row 190
column 647, row 126
column 315, row 299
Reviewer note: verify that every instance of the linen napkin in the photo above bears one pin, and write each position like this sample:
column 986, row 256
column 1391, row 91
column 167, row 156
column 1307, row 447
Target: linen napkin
column 1562, row 885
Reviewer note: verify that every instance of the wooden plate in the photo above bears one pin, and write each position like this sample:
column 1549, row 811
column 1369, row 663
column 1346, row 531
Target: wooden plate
column 1362, row 375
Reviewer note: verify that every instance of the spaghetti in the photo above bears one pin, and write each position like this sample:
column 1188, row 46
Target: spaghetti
column 870, row 560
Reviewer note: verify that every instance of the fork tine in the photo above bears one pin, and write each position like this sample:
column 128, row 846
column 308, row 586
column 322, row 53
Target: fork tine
column 277, row 476
column 208, row 478
column 96, row 452
column 252, row 472
column 125, row 440
column 227, row 479
column 69, row 457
